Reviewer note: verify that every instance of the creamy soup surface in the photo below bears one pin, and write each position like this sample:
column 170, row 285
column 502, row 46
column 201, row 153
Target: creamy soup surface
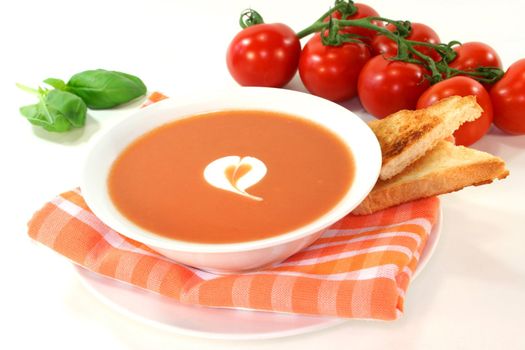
column 230, row 176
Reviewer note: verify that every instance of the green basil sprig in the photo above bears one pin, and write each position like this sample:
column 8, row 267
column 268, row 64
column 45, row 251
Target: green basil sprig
column 56, row 110
column 102, row 89
column 65, row 107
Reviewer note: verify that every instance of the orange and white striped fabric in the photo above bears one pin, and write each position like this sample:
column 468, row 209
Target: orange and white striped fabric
column 153, row 98
column 360, row 268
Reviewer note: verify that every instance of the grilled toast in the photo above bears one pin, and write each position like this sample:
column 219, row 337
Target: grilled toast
column 407, row 135
column 443, row 169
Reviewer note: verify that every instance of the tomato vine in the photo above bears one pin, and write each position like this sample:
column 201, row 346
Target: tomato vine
column 333, row 34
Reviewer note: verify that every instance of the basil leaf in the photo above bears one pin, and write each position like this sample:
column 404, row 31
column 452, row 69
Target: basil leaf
column 68, row 105
column 57, row 111
column 36, row 115
column 106, row 89
column 56, row 83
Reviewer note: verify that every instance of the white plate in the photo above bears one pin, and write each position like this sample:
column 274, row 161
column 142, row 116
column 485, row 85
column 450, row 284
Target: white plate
column 164, row 312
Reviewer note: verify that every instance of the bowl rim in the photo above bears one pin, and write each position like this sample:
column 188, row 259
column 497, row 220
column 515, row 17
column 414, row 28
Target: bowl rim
column 154, row 240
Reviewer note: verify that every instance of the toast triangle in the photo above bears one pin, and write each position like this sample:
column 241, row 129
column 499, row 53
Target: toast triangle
column 445, row 168
column 405, row 136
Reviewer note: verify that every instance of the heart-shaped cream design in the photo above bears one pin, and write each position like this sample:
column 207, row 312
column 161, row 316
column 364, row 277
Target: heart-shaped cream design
column 235, row 174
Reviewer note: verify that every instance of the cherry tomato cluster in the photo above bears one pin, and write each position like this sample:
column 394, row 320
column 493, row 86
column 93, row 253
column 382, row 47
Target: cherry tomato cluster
column 390, row 65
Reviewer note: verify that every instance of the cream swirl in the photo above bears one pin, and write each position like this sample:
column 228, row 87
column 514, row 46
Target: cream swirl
column 235, row 174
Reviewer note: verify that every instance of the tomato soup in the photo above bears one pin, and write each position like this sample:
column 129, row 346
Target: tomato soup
column 231, row 176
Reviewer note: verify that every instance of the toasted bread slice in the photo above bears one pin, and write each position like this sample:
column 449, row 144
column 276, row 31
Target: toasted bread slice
column 407, row 135
column 445, row 168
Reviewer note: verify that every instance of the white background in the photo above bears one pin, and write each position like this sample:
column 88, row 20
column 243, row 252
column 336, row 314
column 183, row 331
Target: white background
column 470, row 296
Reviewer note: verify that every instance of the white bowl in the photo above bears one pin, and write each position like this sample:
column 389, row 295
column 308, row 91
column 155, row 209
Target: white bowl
column 232, row 257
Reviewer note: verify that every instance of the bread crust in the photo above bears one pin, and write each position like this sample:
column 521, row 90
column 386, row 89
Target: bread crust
column 446, row 168
column 405, row 136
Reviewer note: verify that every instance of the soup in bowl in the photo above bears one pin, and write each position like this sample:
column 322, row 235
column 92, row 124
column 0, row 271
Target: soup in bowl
column 231, row 181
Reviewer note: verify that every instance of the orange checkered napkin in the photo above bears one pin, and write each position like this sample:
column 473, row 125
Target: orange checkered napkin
column 359, row 268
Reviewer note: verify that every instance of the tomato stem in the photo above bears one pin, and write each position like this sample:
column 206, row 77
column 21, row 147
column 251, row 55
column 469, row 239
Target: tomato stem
column 403, row 28
column 488, row 75
column 346, row 8
column 332, row 35
column 314, row 28
column 250, row 17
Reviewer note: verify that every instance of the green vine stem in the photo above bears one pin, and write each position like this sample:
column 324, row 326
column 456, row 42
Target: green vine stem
column 250, row 17
column 332, row 35
column 345, row 8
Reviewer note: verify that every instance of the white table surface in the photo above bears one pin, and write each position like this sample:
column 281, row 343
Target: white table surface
column 472, row 293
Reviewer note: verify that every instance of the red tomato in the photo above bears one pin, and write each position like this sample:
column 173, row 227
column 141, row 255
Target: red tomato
column 469, row 132
column 381, row 45
column 332, row 71
column 508, row 99
column 264, row 55
column 362, row 12
column 385, row 87
column 472, row 55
